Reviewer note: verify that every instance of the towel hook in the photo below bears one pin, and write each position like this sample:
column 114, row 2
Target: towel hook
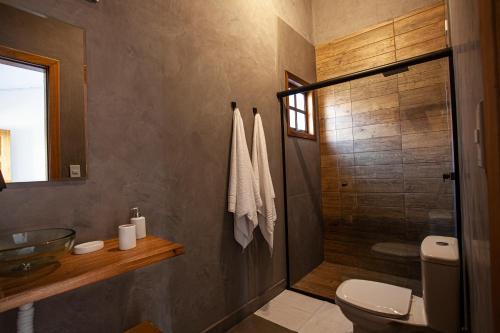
column 254, row 111
column 233, row 105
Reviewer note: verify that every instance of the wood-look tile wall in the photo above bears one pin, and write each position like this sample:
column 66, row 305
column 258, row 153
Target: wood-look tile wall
column 419, row 32
column 385, row 142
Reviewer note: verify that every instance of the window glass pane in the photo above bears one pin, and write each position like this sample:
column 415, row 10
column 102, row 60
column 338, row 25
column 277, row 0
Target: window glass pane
column 310, row 114
column 23, row 132
column 301, row 102
column 301, row 121
column 291, row 100
column 292, row 119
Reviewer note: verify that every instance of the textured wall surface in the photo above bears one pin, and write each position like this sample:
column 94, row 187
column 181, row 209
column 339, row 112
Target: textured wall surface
column 161, row 76
column 305, row 227
column 298, row 14
column 337, row 18
column 464, row 20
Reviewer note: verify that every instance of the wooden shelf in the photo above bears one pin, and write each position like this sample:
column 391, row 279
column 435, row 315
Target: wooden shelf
column 75, row 271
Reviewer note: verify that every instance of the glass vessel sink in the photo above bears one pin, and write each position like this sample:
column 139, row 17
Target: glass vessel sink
column 22, row 252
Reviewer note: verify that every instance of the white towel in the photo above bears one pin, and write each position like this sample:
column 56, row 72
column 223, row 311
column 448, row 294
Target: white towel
column 260, row 163
column 243, row 194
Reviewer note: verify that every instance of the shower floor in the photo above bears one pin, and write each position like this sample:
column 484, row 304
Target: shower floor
column 324, row 279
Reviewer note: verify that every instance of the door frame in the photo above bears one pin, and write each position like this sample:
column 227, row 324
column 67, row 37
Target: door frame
column 489, row 35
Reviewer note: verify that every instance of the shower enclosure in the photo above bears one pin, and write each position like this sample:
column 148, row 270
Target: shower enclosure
column 388, row 175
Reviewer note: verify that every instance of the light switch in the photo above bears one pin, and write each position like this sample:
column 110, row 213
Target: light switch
column 477, row 136
column 74, row 171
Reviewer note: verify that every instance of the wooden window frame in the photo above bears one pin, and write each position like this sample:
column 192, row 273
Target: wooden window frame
column 293, row 81
column 5, row 157
column 52, row 68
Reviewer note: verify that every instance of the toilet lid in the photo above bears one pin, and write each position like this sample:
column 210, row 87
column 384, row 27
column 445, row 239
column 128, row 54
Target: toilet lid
column 378, row 298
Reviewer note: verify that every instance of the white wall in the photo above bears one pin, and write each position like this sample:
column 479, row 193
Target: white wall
column 22, row 111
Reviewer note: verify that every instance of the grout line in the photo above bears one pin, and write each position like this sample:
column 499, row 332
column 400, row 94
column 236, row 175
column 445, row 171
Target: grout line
column 419, row 11
column 421, row 27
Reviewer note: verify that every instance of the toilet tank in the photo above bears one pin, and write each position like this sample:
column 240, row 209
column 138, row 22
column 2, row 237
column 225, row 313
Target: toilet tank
column 441, row 282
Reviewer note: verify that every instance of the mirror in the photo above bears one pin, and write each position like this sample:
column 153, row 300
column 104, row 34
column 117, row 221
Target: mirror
column 42, row 98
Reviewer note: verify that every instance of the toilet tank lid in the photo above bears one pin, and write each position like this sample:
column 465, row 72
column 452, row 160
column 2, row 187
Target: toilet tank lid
column 440, row 250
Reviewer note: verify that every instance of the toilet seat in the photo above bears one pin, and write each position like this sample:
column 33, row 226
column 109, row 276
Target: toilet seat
column 416, row 321
column 380, row 299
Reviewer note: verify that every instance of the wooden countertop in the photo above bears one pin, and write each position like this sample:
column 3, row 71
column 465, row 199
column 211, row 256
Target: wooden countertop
column 74, row 271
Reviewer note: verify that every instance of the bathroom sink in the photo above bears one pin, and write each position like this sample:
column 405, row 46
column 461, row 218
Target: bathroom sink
column 22, row 252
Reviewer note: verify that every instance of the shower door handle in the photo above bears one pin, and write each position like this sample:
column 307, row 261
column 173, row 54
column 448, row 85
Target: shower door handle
column 450, row 176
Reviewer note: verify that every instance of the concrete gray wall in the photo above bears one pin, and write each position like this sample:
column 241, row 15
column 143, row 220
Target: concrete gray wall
column 464, row 29
column 334, row 19
column 298, row 14
column 305, row 223
column 161, row 75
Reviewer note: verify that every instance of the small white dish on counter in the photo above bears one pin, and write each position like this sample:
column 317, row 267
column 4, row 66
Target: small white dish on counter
column 88, row 247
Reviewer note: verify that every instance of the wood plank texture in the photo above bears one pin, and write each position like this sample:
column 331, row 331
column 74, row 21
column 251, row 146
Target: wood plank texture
column 426, row 139
column 376, row 103
column 423, row 47
column 419, row 32
column 376, row 131
column 385, row 144
column 428, row 32
column 378, row 144
column 369, row 36
column 376, row 117
column 75, row 271
column 390, row 157
column 419, row 19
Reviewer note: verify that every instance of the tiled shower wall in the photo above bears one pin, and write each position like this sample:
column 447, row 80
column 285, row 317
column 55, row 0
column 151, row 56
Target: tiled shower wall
column 385, row 143
column 416, row 33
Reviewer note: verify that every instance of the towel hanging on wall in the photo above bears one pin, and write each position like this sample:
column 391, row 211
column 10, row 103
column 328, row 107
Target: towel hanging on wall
column 266, row 211
column 243, row 194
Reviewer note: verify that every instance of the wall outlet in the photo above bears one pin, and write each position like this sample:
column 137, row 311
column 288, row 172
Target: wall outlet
column 74, row 171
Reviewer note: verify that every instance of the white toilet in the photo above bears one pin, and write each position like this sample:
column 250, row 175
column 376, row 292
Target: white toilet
column 379, row 307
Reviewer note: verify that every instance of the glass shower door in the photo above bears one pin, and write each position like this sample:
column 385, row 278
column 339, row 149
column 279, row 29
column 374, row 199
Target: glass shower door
column 386, row 154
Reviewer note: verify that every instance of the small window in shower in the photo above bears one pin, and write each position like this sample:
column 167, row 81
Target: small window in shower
column 300, row 109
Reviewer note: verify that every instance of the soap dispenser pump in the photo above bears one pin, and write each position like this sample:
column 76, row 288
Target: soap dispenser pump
column 139, row 222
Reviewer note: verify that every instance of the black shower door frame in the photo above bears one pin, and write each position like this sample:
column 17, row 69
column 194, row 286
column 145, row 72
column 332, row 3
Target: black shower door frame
column 393, row 67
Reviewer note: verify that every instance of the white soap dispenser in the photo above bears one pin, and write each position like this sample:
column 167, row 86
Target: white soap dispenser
column 139, row 222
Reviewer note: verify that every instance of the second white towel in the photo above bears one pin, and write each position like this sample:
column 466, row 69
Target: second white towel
column 266, row 211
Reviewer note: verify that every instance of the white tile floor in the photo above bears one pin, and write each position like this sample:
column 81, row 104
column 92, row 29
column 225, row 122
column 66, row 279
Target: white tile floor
column 305, row 314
